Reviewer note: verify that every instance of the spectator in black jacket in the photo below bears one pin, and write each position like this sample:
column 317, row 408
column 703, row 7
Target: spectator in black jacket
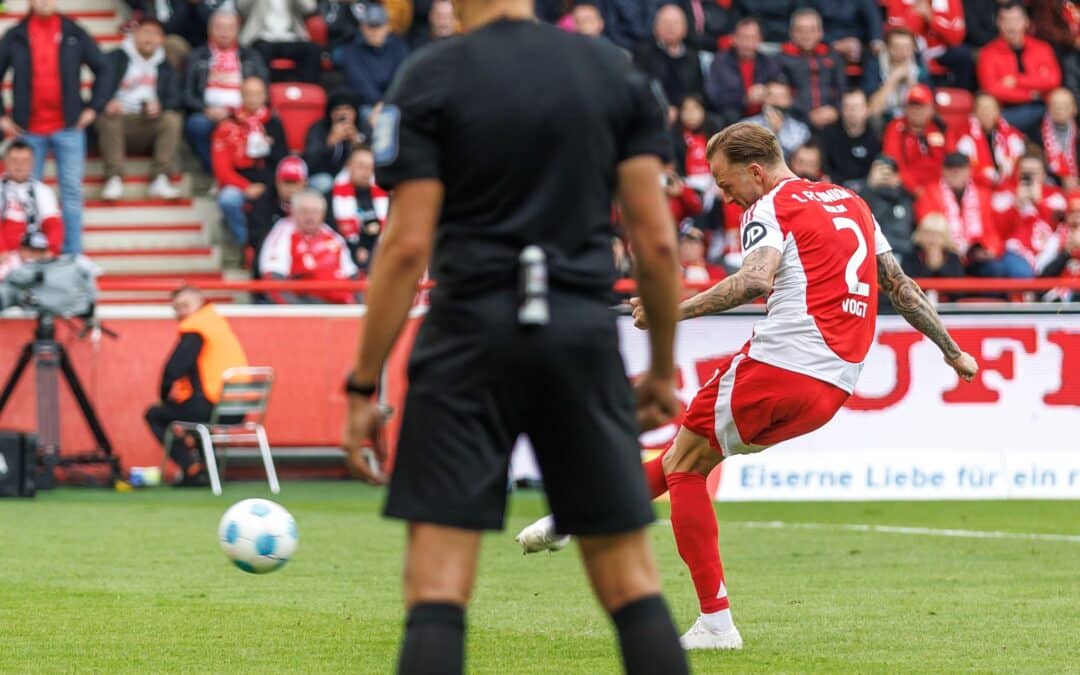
column 142, row 113
column 709, row 20
column 851, row 144
column 850, row 26
column 214, row 75
column 342, row 21
column 626, row 22
column 813, row 69
column 331, row 139
column 892, row 205
column 668, row 59
column 58, row 117
column 372, row 59
column 735, row 87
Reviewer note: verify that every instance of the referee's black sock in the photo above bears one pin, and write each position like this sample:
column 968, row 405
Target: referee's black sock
column 434, row 641
column 647, row 638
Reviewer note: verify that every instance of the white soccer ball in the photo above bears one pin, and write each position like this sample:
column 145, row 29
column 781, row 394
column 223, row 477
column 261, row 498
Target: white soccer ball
column 258, row 535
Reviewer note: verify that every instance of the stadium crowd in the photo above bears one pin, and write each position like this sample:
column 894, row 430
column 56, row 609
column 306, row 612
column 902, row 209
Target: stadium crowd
column 955, row 119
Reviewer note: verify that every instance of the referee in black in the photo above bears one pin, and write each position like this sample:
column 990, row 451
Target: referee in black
column 504, row 149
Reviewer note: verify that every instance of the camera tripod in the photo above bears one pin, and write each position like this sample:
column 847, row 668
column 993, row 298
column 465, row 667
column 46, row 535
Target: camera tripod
column 51, row 360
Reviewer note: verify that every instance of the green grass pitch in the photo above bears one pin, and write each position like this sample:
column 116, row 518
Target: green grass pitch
column 98, row 581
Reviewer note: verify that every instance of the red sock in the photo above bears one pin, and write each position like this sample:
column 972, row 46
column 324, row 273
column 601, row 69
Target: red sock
column 654, row 473
column 696, row 536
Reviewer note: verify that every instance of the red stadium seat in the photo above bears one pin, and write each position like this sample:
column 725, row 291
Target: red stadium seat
column 317, row 30
column 954, row 105
column 299, row 105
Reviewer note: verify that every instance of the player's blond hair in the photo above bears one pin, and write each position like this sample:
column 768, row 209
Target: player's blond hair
column 746, row 143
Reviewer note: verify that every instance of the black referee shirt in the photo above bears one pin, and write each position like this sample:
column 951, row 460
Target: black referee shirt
column 524, row 124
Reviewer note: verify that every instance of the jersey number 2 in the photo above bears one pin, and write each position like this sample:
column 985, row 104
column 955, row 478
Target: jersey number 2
column 851, row 274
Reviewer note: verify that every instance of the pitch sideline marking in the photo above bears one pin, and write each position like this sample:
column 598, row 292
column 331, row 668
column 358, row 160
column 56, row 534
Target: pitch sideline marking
column 899, row 529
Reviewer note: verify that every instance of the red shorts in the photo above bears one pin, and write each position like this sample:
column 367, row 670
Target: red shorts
column 749, row 405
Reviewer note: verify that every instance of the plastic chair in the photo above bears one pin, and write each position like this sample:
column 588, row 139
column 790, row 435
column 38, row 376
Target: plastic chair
column 299, row 105
column 244, row 397
column 954, row 105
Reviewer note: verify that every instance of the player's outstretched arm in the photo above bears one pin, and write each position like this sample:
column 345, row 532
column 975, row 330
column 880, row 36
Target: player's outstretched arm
column 910, row 301
column 753, row 280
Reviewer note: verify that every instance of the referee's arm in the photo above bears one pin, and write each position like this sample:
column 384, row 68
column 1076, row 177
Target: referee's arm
column 652, row 241
column 404, row 251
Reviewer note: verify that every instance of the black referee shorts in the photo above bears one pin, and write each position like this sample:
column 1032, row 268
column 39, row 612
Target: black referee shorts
column 478, row 379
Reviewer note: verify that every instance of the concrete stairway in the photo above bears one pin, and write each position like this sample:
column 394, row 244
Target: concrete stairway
column 134, row 237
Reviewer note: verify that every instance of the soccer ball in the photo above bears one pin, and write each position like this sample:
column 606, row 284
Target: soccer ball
column 258, row 535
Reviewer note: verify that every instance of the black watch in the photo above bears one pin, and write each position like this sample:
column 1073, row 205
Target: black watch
column 354, row 389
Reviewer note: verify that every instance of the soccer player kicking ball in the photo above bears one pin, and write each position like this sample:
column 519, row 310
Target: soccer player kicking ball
column 807, row 247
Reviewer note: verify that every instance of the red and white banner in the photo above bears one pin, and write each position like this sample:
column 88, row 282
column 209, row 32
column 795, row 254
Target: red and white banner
column 912, row 430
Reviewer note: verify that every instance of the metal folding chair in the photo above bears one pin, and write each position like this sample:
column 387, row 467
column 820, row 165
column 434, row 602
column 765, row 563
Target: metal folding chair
column 237, row 420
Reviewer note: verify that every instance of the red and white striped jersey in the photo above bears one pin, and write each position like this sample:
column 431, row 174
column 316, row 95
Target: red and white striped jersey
column 822, row 310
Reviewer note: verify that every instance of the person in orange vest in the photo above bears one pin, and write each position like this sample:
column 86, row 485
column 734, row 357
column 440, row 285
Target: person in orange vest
column 192, row 381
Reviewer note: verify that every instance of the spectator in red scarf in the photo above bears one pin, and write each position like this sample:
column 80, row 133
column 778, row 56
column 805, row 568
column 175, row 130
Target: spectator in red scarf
column 246, row 148
column 1028, row 232
column 215, row 72
column 26, row 205
column 917, row 141
column 1060, row 141
column 993, row 145
column 735, row 86
column 940, row 27
column 1061, row 255
column 359, row 206
column 304, row 247
column 974, row 226
column 814, row 71
column 1018, row 70
column 46, row 52
column 695, row 268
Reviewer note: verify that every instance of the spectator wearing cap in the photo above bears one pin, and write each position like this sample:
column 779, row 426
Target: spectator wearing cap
column 813, row 69
column 667, row 58
column 940, row 25
column 26, row 205
column 916, row 141
column 442, row 22
column 331, row 139
column 290, row 177
column 1061, row 255
column 372, row 59
column 892, row 205
column 1060, row 141
column 993, row 145
column 933, row 252
column 276, row 30
column 695, row 268
column 974, row 225
column 735, row 86
column 1018, row 70
column 893, row 74
column 246, row 147
column 215, row 73
column 776, row 116
column 851, row 143
column 142, row 113
column 303, row 247
column 46, row 52
column 359, row 206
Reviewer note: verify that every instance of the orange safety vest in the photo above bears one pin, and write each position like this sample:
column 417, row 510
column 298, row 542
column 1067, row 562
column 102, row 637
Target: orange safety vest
column 221, row 350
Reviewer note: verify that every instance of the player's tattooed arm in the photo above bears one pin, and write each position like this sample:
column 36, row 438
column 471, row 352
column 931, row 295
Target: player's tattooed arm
column 754, row 280
column 910, row 301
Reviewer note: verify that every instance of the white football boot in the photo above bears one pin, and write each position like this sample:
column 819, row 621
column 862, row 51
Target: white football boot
column 701, row 636
column 541, row 536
